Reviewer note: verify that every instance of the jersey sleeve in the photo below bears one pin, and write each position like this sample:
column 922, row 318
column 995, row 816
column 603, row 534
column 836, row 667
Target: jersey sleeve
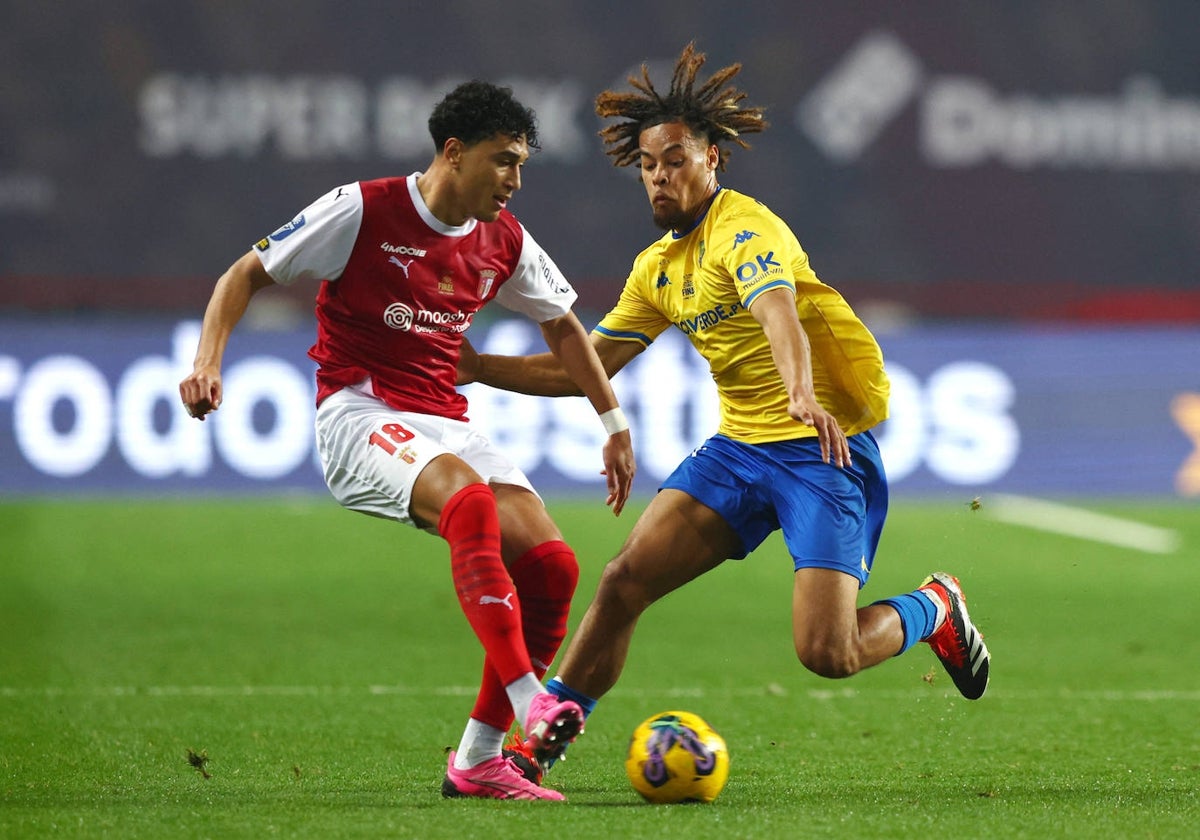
column 315, row 245
column 634, row 317
column 536, row 288
column 764, row 255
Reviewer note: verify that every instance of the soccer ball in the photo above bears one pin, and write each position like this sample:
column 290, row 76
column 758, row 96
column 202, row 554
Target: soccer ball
column 677, row 757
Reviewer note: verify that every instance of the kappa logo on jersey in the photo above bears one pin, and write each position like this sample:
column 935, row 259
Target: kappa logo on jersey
column 764, row 265
column 663, row 280
column 287, row 230
column 401, row 316
column 743, row 237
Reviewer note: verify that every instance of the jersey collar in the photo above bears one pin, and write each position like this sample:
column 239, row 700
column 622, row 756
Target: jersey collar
column 427, row 216
column 699, row 218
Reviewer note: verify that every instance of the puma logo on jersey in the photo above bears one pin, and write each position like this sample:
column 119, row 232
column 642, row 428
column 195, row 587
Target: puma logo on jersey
column 395, row 261
column 492, row 599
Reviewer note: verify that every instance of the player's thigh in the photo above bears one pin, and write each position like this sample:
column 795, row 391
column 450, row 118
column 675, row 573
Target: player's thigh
column 433, row 488
column 824, row 607
column 822, row 511
column 524, row 521
column 373, row 456
column 675, row 540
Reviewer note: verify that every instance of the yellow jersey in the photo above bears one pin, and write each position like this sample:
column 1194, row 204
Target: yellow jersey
column 704, row 281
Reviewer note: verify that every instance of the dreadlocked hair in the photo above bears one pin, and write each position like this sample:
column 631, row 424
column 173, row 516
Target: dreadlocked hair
column 713, row 111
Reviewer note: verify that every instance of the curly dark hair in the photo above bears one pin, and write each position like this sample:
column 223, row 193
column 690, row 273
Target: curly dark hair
column 713, row 111
column 476, row 111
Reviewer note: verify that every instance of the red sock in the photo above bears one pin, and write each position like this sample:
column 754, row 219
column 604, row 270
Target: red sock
column 470, row 524
column 545, row 578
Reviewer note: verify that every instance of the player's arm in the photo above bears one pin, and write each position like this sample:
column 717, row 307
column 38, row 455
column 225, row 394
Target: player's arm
column 552, row 375
column 570, row 346
column 775, row 310
column 201, row 389
column 540, row 375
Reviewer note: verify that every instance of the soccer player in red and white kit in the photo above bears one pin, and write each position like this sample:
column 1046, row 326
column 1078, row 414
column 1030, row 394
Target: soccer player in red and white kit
column 405, row 264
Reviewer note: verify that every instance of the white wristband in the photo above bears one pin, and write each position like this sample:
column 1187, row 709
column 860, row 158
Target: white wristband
column 614, row 421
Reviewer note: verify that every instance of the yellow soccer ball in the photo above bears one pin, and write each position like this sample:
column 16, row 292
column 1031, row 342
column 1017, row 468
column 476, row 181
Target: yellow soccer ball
column 677, row 757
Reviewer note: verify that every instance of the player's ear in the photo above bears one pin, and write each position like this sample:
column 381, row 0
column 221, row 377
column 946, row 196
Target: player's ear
column 452, row 151
column 713, row 158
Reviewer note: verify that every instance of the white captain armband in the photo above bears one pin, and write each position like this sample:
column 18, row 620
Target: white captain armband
column 614, row 421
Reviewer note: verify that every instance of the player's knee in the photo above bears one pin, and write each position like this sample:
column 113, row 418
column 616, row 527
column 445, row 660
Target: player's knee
column 828, row 659
column 620, row 589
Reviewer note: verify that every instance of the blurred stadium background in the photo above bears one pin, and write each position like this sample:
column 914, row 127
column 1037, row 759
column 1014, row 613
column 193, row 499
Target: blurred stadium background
column 1009, row 193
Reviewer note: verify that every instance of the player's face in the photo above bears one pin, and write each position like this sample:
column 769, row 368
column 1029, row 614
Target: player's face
column 489, row 174
column 679, row 171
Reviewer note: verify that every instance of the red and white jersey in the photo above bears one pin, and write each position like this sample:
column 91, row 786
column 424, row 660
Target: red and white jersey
column 400, row 288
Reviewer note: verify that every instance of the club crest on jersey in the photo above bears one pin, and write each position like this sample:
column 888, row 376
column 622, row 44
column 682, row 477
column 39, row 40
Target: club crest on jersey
column 446, row 285
column 487, row 279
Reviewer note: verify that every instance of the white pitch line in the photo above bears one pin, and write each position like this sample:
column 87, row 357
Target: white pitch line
column 1085, row 524
column 1146, row 695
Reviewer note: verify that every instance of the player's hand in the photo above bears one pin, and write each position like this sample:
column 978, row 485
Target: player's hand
column 619, row 469
column 468, row 364
column 201, row 392
column 834, row 447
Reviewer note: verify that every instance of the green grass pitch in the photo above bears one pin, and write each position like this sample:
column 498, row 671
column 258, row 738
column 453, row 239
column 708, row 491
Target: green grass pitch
column 314, row 665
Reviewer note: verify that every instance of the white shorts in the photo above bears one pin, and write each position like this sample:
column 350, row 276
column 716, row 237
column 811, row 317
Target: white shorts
column 372, row 454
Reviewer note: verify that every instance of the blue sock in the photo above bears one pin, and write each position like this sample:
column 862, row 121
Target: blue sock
column 917, row 616
column 562, row 692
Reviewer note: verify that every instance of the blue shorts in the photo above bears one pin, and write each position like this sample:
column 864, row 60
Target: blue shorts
column 831, row 518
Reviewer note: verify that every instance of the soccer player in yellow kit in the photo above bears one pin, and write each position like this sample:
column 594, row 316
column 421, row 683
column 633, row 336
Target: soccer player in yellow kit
column 801, row 384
